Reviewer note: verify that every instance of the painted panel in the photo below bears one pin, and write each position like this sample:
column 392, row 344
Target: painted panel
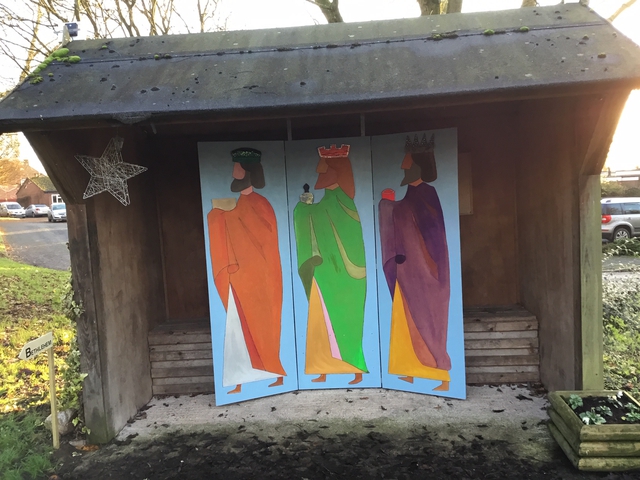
column 333, row 253
column 246, row 220
column 415, row 184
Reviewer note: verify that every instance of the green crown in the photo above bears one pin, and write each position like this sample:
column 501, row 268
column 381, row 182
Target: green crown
column 246, row 155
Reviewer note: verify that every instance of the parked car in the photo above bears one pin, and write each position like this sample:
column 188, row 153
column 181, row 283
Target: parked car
column 57, row 212
column 11, row 209
column 36, row 211
column 620, row 218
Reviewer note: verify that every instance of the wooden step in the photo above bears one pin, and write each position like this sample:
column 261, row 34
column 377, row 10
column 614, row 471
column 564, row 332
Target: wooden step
column 501, row 346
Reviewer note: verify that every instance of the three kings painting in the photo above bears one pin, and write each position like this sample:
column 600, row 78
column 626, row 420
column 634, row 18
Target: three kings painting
column 334, row 264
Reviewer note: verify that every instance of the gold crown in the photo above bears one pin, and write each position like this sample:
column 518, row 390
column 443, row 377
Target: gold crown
column 334, row 152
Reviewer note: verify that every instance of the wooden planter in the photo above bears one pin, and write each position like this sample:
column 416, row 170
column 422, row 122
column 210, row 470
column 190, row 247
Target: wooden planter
column 594, row 447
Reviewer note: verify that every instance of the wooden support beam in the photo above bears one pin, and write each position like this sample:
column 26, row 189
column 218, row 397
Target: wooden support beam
column 88, row 323
column 596, row 125
column 599, row 134
column 591, row 330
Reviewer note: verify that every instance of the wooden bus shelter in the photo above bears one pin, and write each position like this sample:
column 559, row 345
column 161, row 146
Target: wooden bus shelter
column 535, row 96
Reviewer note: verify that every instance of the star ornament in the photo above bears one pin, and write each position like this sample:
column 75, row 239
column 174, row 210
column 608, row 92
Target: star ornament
column 109, row 173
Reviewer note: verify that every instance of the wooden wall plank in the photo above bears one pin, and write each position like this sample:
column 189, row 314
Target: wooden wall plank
column 507, row 343
column 547, row 205
column 499, row 335
column 499, row 378
column 469, row 352
column 497, row 360
column 183, row 380
column 502, row 369
column 488, row 236
column 500, row 326
column 181, row 228
column 156, row 340
column 178, row 347
column 178, row 389
column 203, row 362
column 187, row 355
column 181, row 372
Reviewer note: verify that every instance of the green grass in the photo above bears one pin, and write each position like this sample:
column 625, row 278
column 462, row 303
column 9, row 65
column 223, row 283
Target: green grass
column 30, row 306
column 25, row 445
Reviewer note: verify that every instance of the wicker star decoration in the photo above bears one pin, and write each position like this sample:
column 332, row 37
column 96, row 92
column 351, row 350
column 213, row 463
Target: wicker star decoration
column 109, row 173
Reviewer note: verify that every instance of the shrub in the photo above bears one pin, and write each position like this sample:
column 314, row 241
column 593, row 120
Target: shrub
column 624, row 246
column 621, row 323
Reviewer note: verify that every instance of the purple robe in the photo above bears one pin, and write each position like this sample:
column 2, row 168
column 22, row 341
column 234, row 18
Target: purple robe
column 415, row 254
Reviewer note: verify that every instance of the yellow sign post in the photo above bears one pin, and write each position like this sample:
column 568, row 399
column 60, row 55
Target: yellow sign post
column 30, row 350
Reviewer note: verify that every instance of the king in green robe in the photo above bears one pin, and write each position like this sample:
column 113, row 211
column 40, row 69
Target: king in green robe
column 331, row 265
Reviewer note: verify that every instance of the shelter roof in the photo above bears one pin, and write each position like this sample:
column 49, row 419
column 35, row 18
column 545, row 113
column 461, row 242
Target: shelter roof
column 354, row 67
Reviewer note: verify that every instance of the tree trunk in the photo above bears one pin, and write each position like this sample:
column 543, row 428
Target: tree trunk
column 529, row 3
column 454, row 6
column 429, row 7
column 330, row 9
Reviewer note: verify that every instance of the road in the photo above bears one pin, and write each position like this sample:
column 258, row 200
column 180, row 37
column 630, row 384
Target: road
column 37, row 242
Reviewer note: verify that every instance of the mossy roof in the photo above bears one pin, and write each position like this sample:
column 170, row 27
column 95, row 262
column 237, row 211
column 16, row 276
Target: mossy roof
column 352, row 66
column 43, row 183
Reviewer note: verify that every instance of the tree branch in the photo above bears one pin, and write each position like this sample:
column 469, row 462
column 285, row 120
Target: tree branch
column 622, row 8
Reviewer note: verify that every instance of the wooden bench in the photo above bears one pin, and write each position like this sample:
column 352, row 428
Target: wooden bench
column 501, row 346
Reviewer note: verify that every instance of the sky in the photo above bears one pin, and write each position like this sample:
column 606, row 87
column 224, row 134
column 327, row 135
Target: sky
column 256, row 14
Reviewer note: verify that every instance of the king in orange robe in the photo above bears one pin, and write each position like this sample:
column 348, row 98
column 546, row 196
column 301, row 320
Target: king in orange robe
column 245, row 258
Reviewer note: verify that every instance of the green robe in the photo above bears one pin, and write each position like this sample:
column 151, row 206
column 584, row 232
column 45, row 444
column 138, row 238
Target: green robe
column 331, row 249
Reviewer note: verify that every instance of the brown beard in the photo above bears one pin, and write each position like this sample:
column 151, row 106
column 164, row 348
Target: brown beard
column 412, row 174
column 241, row 184
column 326, row 179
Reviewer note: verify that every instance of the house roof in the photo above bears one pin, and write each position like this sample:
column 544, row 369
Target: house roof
column 43, row 183
column 356, row 66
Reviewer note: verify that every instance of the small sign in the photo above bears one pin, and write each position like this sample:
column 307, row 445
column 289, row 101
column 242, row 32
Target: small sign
column 30, row 350
column 34, row 347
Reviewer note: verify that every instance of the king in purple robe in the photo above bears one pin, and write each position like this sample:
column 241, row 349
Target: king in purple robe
column 415, row 261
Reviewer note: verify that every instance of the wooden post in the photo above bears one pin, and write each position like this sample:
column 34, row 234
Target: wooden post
column 598, row 119
column 591, row 283
column 52, row 395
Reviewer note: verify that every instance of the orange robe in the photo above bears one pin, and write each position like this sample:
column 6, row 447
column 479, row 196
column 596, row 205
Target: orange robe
column 246, row 266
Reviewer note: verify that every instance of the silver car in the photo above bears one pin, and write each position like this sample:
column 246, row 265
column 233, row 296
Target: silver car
column 620, row 218
column 11, row 209
column 36, row 211
column 57, row 212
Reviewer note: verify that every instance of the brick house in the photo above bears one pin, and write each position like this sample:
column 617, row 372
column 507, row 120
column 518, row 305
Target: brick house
column 37, row 190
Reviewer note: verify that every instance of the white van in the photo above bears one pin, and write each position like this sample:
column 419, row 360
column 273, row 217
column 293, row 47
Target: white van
column 11, row 209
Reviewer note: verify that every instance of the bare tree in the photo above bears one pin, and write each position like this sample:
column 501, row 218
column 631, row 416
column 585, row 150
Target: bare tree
column 30, row 29
column 9, row 146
